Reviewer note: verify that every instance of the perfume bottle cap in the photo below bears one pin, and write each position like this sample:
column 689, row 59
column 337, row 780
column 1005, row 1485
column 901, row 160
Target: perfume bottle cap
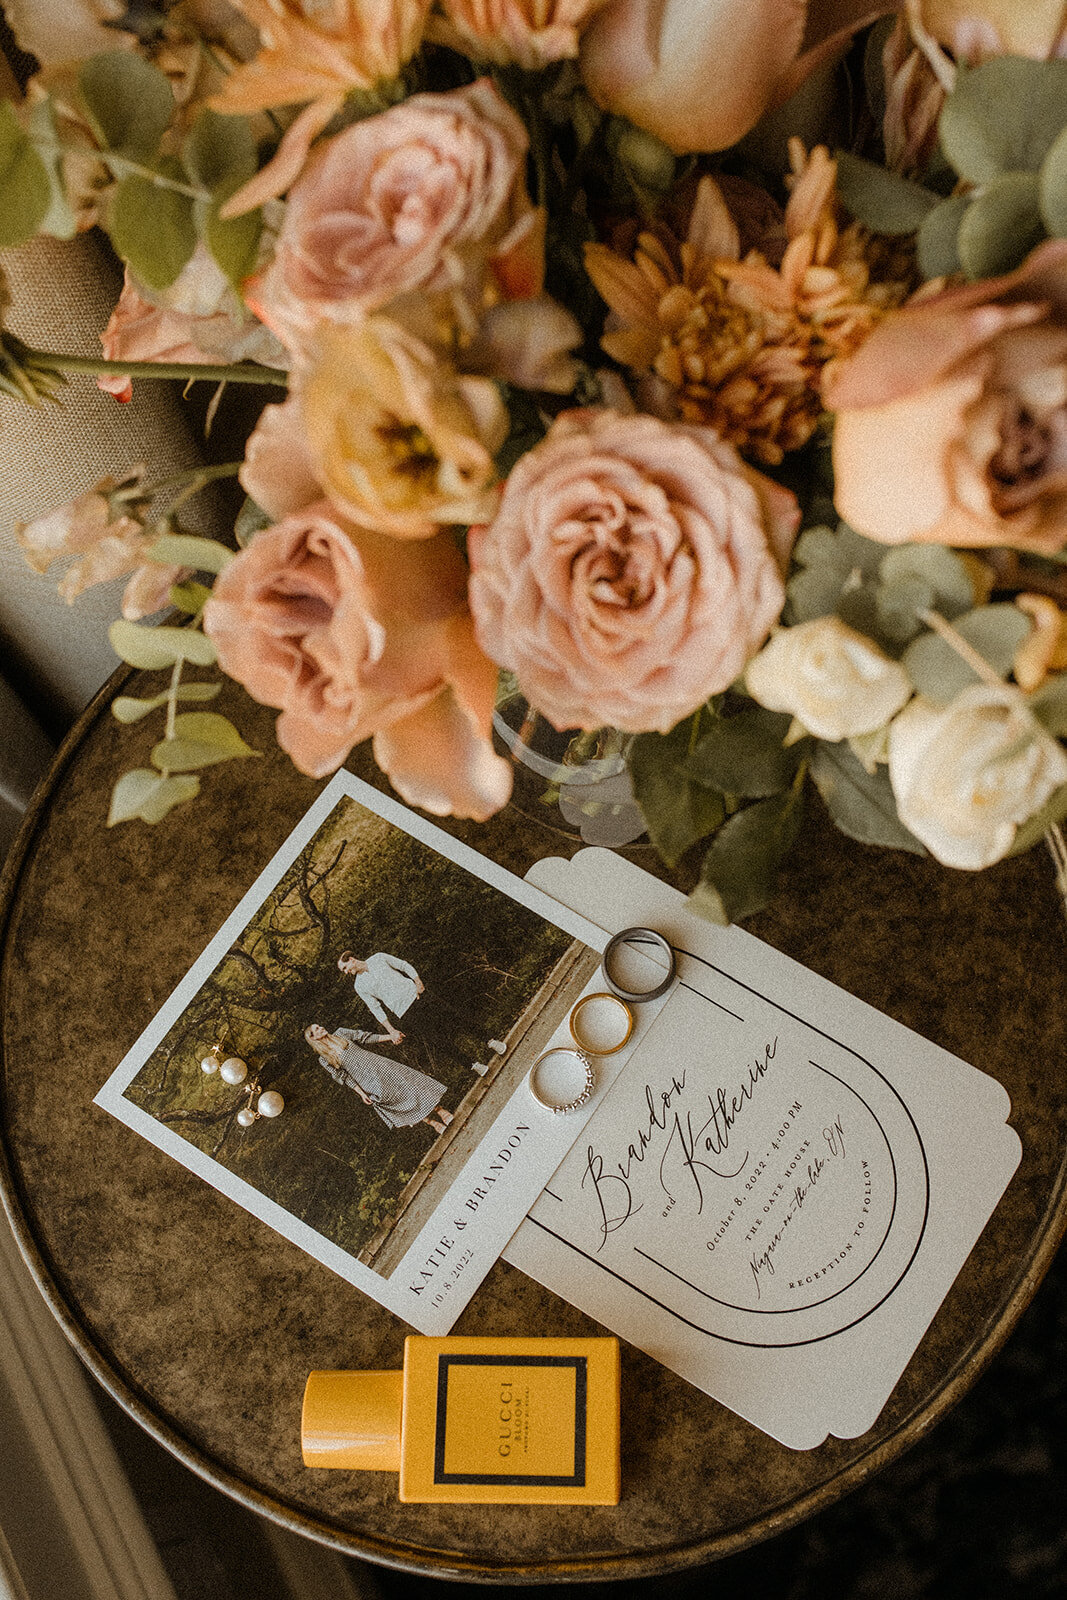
column 352, row 1419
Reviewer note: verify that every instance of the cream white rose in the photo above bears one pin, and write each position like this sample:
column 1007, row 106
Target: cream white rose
column 967, row 774
column 832, row 679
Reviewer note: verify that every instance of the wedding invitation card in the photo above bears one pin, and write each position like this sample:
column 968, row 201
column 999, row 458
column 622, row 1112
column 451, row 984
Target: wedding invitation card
column 777, row 1193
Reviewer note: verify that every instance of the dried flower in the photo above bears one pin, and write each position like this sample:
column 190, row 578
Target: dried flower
column 104, row 529
column 739, row 345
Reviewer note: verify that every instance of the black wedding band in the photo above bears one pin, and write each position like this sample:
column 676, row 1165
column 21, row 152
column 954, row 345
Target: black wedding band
column 637, row 936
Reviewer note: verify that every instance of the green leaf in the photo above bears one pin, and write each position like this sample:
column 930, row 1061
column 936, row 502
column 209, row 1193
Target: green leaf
column 677, row 810
column 744, row 755
column 881, row 200
column 152, row 228
column 128, row 102
column 936, row 242
column 201, row 739
column 1001, row 226
column 60, row 220
column 1004, row 116
column 156, row 648
column 740, row 871
column 218, row 149
column 937, row 566
column 861, row 803
column 939, row 673
column 145, row 794
column 814, row 592
column 190, row 597
column 127, row 708
column 234, row 244
column 250, row 519
column 1053, row 187
column 220, row 155
column 25, row 190
column 1049, row 705
column 1030, row 833
column 185, row 550
column 898, row 604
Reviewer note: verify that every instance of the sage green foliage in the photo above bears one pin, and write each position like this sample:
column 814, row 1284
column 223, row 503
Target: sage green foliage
column 328, row 1159
column 861, row 803
column 127, row 708
column 678, row 808
column 739, row 875
column 148, row 796
column 164, row 200
column 1003, row 132
column 1033, row 831
column 154, row 648
column 200, row 739
column 25, row 189
column 939, row 672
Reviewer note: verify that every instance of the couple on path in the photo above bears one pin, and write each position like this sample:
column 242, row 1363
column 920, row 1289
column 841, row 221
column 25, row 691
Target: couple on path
column 400, row 1095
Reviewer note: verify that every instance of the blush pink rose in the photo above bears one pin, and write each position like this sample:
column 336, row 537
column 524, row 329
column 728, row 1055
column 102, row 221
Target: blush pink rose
column 415, row 199
column 352, row 635
column 951, row 422
column 633, row 568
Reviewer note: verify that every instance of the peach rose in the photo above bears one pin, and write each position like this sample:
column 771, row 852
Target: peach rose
column 700, row 73
column 415, row 199
column 952, row 417
column 351, row 635
column 528, row 33
column 396, row 437
column 632, row 570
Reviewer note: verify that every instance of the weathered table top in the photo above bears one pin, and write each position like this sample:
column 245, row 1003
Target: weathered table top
column 204, row 1324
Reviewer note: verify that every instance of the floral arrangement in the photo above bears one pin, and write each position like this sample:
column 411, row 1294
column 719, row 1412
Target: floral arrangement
column 742, row 458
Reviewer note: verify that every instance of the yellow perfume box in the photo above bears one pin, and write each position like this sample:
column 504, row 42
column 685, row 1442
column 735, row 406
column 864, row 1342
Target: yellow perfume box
column 491, row 1420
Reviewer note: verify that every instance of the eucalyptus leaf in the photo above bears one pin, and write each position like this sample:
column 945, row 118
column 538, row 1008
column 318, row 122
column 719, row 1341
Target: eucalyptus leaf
column 190, row 597
column 939, row 672
column 156, row 648
column 677, row 810
column 936, row 242
column 234, row 244
column 814, row 592
column 1003, row 116
column 201, row 739
column 899, row 603
column 881, row 200
column 128, row 708
column 152, row 228
column 1001, row 226
column 1049, row 705
column 219, row 149
column 144, row 794
column 1053, row 188
column 128, row 102
column 744, row 754
column 936, row 566
column 25, row 189
column 740, row 871
column 60, row 220
column 250, row 519
column 186, row 550
column 1032, row 832
column 861, row 803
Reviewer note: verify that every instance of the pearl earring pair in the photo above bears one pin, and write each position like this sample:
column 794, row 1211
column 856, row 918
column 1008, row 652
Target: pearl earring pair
column 231, row 1070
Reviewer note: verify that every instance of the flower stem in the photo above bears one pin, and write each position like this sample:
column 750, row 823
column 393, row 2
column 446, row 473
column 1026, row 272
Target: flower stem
column 963, row 648
column 238, row 372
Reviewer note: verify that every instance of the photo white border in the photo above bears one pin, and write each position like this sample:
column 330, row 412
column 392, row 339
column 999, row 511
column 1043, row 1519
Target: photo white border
column 554, row 1135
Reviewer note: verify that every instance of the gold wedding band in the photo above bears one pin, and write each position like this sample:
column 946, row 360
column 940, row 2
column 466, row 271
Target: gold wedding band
column 584, row 1044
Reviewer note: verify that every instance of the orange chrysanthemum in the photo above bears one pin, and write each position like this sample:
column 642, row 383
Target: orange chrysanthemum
column 739, row 345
